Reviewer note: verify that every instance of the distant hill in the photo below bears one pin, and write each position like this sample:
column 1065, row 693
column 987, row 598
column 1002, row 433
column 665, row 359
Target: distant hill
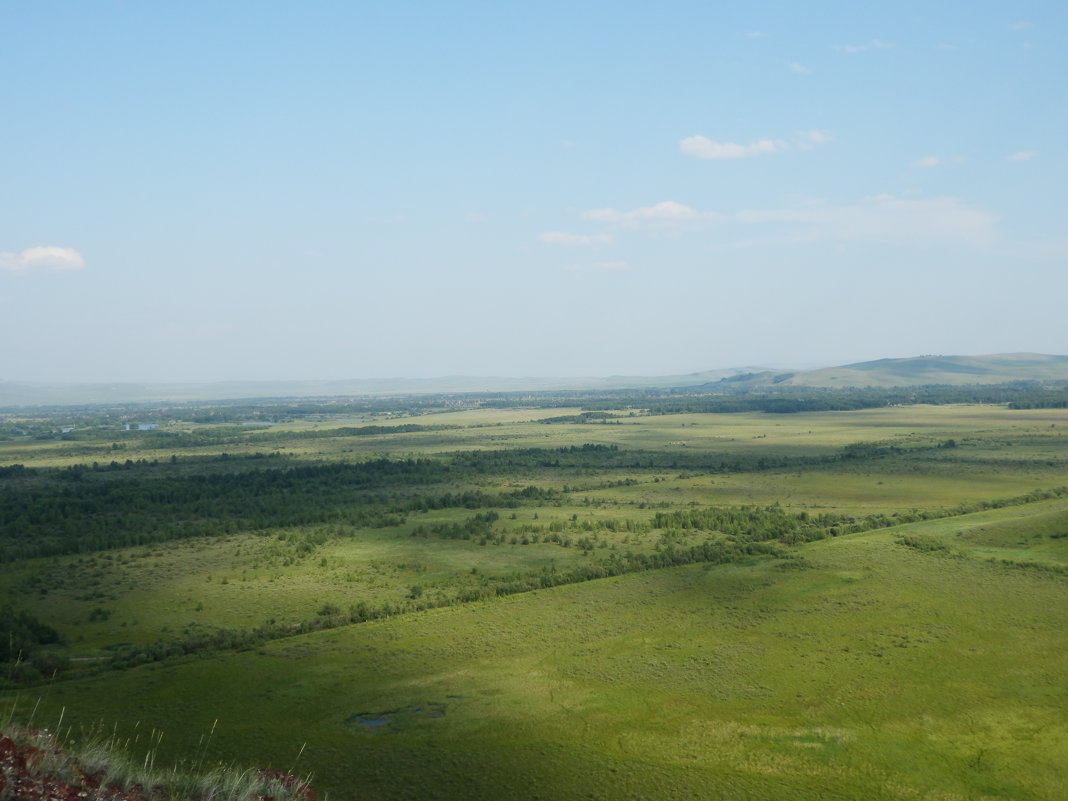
column 918, row 370
column 915, row 371
column 47, row 394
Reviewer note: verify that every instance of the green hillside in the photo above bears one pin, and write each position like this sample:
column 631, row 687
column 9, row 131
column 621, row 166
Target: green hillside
column 920, row 370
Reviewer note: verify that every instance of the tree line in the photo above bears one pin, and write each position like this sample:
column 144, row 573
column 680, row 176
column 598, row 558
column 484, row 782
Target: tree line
column 79, row 509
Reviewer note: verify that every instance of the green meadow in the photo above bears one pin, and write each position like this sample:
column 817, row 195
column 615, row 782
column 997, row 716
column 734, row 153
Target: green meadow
column 483, row 604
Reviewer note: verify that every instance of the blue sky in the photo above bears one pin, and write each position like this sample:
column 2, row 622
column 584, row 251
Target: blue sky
column 264, row 190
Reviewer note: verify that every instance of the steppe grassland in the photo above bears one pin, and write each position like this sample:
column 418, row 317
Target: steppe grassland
column 867, row 668
column 878, row 671
column 796, row 434
column 243, row 579
column 236, row 582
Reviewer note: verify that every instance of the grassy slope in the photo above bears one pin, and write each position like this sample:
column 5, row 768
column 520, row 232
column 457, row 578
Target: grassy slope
column 995, row 369
column 880, row 671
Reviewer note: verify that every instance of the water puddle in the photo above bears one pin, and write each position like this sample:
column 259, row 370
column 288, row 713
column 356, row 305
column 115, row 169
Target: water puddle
column 396, row 719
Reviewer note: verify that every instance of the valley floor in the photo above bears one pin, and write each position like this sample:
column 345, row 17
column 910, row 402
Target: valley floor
column 900, row 634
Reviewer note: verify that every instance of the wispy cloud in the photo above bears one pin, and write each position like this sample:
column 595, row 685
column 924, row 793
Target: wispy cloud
column 881, row 219
column 927, row 161
column 701, row 147
column 46, row 257
column 806, row 140
column 1021, row 25
column 798, row 67
column 874, row 44
column 560, row 238
column 600, row 267
column 1023, row 155
column 664, row 212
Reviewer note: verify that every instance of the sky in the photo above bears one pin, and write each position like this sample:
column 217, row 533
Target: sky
column 228, row 190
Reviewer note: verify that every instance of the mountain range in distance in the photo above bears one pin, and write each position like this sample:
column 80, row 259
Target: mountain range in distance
column 883, row 373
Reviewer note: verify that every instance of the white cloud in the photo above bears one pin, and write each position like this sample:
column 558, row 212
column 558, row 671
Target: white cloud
column 701, row 147
column 1023, row 155
column 806, row 140
column 600, row 267
column 47, row 257
column 664, row 212
column 1020, row 25
column 560, row 238
column 927, row 161
column 799, row 68
column 874, row 44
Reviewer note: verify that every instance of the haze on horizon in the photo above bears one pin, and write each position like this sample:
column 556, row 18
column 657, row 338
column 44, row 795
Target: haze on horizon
column 206, row 192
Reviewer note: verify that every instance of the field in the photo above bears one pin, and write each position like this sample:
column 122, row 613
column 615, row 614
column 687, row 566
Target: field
column 533, row 603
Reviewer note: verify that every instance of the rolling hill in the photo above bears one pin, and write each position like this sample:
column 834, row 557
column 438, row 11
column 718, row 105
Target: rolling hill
column 914, row 371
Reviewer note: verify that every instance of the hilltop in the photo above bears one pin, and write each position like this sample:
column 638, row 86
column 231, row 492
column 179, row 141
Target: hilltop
column 1000, row 368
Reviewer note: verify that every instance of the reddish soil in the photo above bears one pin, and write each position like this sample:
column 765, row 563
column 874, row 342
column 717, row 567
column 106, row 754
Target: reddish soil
column 31, row 772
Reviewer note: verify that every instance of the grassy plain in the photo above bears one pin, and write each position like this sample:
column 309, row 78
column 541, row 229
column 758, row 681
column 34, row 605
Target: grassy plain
column 920, row 661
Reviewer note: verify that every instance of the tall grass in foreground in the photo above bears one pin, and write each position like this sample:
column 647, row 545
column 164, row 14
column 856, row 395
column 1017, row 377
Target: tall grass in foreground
column 99, row 762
